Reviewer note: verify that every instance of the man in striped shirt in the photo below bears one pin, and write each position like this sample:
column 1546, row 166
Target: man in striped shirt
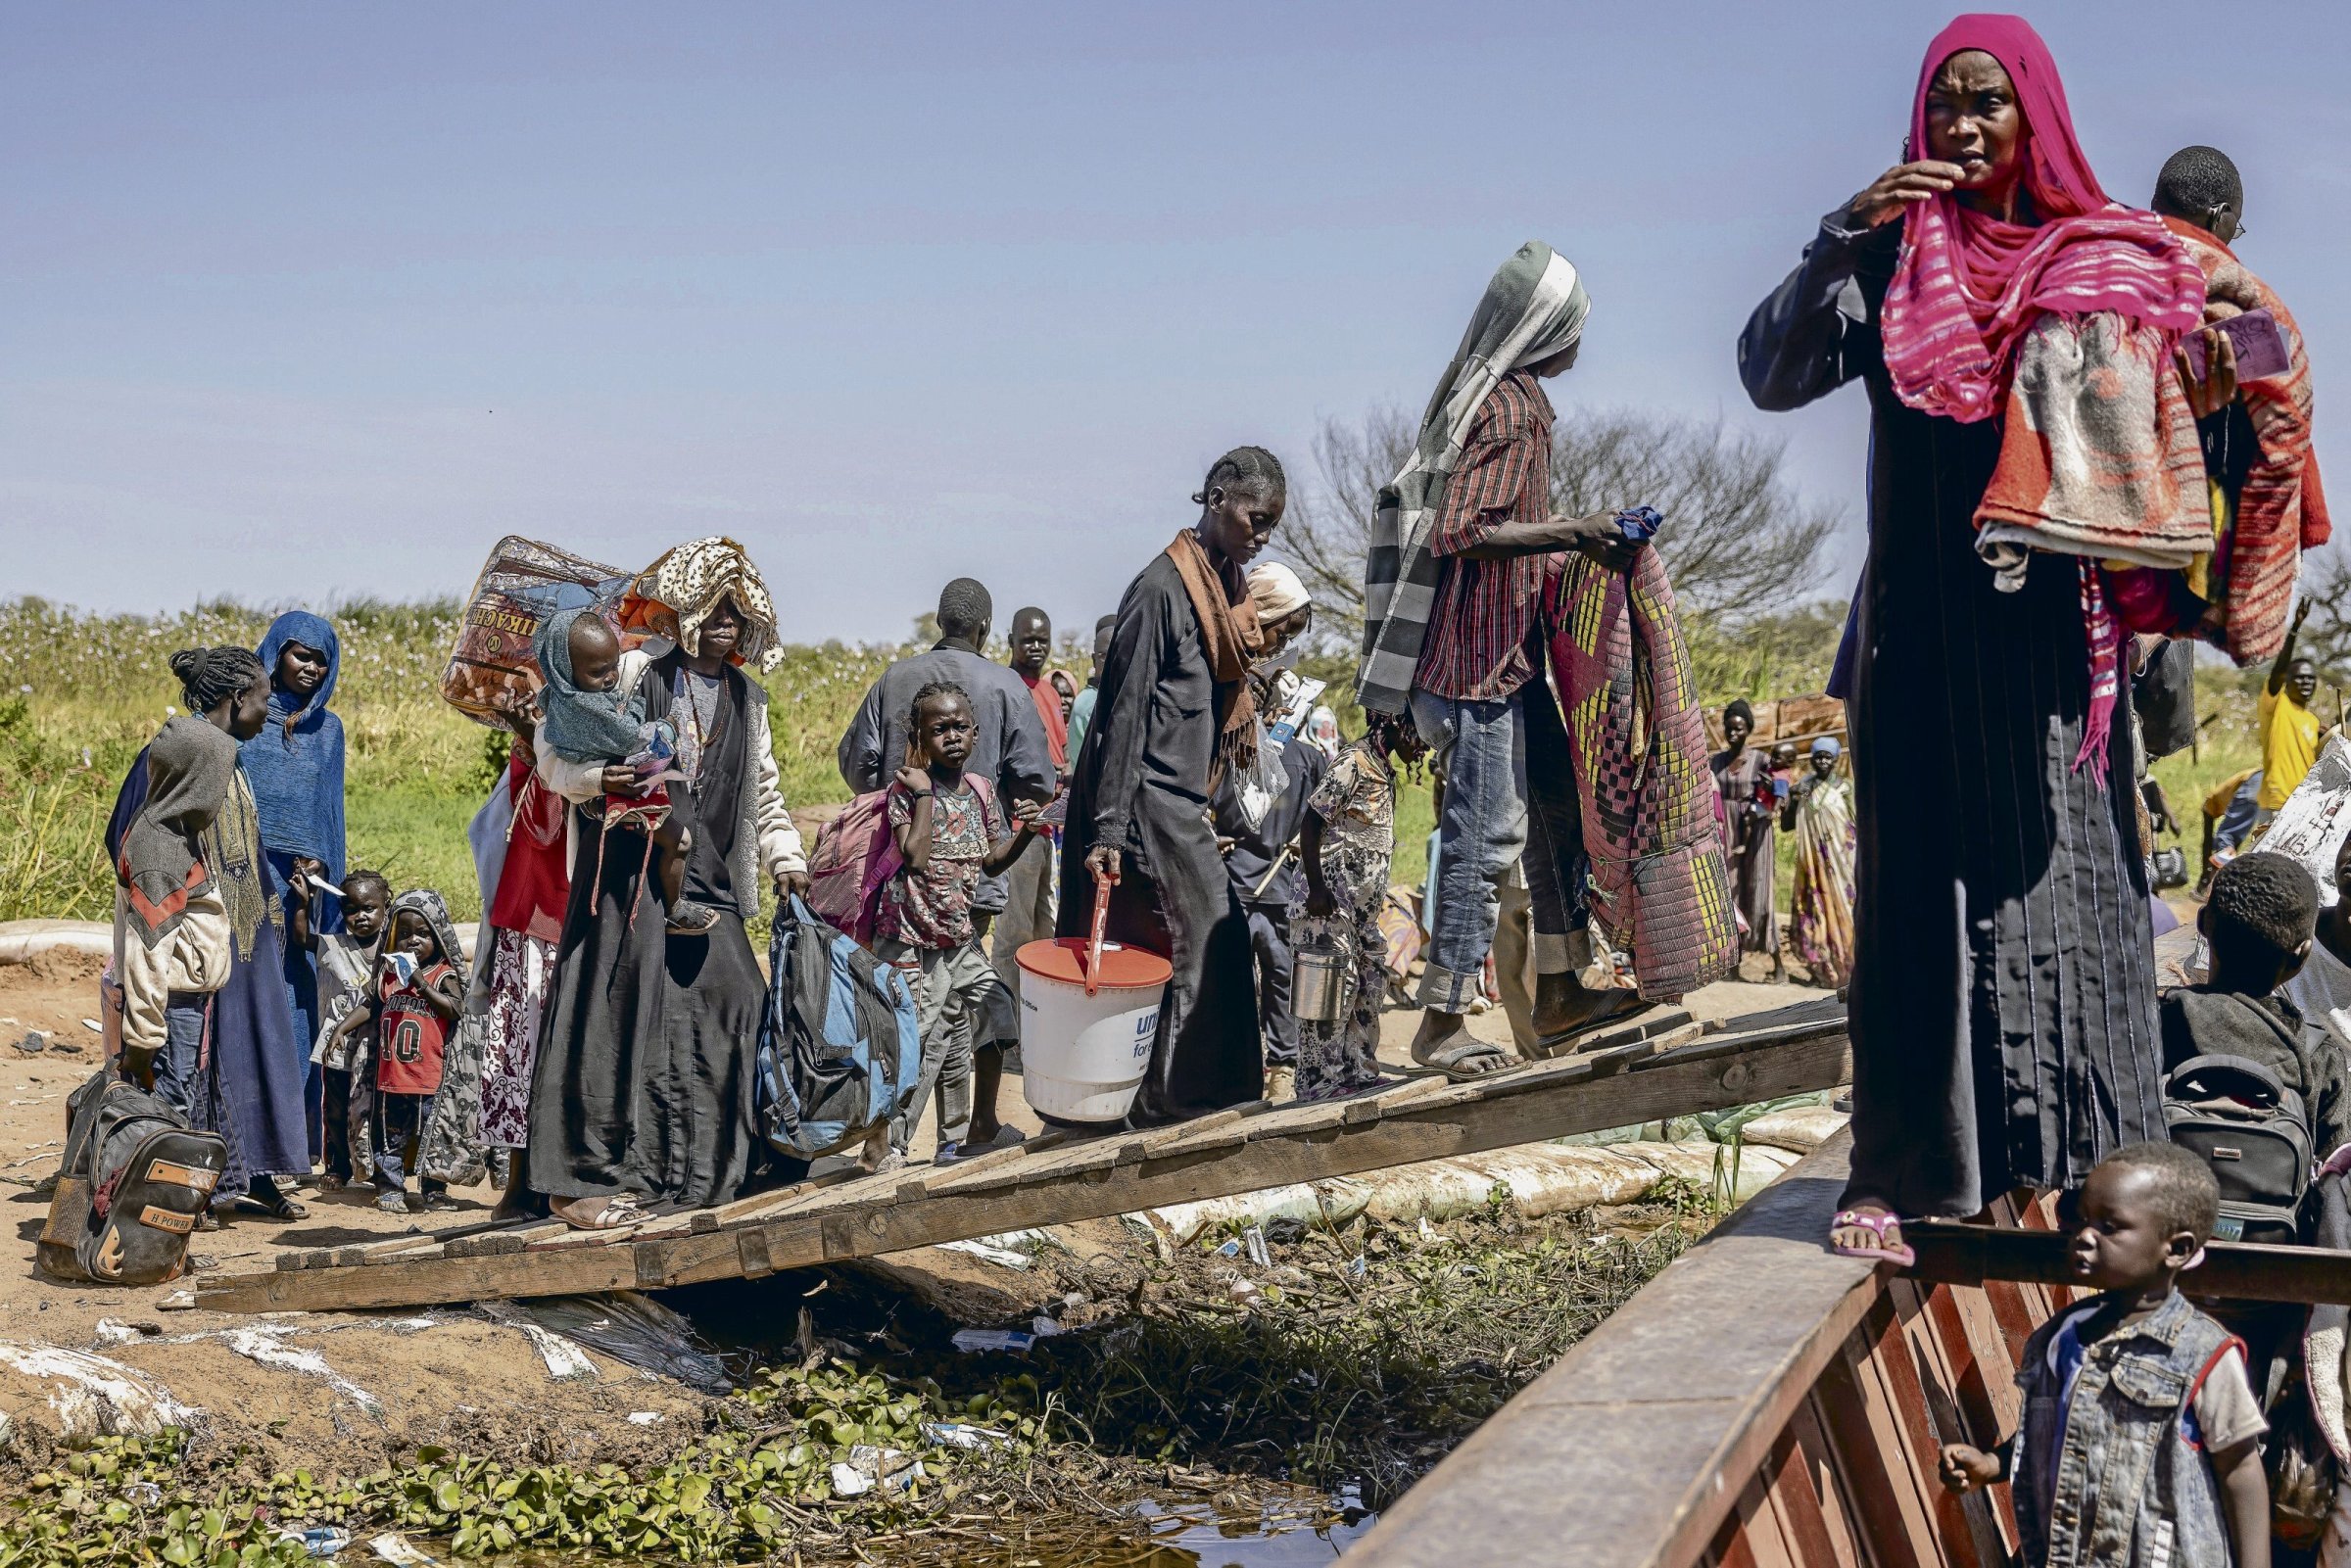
column 1479, row 697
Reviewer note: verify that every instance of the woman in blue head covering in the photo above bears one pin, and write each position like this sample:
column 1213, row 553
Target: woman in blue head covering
column 295, row 766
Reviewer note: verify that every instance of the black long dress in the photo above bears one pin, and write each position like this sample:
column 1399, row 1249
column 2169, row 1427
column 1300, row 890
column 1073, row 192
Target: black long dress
column 649, row 1053
column 1141, row 784
column 2004, row 994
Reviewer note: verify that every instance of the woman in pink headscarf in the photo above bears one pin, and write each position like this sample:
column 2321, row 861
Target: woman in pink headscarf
column 2003, row 1000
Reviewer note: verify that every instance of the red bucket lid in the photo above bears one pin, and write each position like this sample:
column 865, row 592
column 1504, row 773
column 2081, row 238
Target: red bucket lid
column 1063, row 958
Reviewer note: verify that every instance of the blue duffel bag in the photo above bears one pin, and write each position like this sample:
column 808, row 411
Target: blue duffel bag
column 841, row 1050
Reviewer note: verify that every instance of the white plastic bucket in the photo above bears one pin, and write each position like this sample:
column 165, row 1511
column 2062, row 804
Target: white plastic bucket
column 1083, row 1057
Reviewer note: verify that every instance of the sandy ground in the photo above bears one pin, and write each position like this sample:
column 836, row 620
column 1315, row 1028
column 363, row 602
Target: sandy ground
column 343, row 1392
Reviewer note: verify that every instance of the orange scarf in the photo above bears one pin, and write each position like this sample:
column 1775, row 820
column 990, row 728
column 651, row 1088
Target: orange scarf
column 1229, row 623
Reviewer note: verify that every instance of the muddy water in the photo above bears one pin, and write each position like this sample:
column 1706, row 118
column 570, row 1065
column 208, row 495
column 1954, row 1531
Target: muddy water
column 1184, row 1537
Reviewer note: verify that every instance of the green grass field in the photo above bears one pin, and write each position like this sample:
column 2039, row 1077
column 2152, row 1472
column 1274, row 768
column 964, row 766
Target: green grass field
column 89, row 690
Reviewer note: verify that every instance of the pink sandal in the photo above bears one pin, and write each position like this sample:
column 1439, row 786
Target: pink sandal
column 1899, row 1254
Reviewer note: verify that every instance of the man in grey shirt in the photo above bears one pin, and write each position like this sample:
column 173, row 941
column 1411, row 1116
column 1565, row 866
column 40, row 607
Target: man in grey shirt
column 1008, row 750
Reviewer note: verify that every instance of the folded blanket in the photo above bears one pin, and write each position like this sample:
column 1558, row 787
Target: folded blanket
column 2098, row 460
column 2100, row 454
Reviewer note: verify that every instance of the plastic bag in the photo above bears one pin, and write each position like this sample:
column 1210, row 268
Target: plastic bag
column 1258, row 784
column 491, row 669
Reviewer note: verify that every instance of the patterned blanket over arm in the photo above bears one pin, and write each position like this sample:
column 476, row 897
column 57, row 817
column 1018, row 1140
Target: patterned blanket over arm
column 1659, row 888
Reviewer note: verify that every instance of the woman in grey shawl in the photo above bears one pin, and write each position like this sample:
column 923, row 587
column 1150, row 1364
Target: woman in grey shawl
column 1465, row 552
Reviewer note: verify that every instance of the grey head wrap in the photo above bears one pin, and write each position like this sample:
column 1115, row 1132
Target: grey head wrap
column 190, row 767
column 1533, row 309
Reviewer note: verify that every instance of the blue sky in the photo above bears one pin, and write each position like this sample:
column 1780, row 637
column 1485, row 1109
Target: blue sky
column 302, row 301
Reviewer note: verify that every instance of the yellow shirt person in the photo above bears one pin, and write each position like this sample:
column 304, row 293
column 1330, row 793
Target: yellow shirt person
column 2289, row 745
column 2289, row 730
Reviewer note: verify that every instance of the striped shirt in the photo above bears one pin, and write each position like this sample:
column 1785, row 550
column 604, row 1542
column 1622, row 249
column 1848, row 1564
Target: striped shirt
column 1482, row 635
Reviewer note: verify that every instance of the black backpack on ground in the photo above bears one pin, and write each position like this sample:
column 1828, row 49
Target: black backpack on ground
column 129, row 1190
column 2253, row 1131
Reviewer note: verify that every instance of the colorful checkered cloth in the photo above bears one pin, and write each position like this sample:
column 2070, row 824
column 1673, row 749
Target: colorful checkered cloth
column 1659, row 890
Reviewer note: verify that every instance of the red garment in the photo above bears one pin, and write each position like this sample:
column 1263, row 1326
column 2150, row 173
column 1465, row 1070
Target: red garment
column 534, row 888
column 1483, row 627
column 1041, row 691
column 2270, row 528
column 411, row 1037
column 1969, row 284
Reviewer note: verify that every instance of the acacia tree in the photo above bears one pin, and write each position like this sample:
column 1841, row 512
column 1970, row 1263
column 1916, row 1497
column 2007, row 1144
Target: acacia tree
column 1740, row 542
column 2327, row 635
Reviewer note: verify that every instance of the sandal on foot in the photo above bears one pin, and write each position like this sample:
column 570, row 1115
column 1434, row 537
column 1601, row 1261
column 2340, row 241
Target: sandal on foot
column 1618, row 1011
column 611, row 1214
column 691, row 919
column 1899, row 1254
column 1455, row 1061
column 272, row 1202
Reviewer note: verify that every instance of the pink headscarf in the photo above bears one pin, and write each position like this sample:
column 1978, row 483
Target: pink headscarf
column 1968, row 284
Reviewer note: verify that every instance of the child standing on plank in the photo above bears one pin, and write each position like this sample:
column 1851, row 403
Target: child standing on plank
column 2142, row 1438
column 950, row 829
column 413, row 997
column 345, row 961
column 1346, row 842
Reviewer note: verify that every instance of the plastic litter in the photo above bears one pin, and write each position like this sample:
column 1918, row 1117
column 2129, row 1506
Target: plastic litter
column 848, row 1481
column 962, row 1435
column 1001, row 1257
column 1232, row 1249
column 319, row 1541
column 636, row 1331
column 893, row 1469
column 564, row 1361
column 394, row 1548
column 644, row 1419
column 146, row 1494
column 979, row 1340
column 1358, row 1266
column 33, row 1043
column 1254, row 1239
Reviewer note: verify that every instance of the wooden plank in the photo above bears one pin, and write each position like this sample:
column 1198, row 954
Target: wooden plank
column 1938, row 1366
column 1969, row 1255
column 1221, row 1161
column 1845, row 1543
column 1866, row 1447
column 1802, row 1519
column 1923, row 1427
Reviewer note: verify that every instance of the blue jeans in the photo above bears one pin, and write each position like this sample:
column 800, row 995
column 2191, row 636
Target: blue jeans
column 177, row 1063
column 1509, row 795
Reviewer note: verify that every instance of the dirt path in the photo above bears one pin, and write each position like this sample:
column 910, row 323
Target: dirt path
column 342, row 1391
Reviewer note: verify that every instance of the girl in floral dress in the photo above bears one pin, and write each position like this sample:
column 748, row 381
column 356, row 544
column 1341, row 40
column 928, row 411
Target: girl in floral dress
column 1346, row 844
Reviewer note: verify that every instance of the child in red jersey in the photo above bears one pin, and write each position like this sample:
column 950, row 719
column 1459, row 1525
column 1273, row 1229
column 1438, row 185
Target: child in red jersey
column 414, row 999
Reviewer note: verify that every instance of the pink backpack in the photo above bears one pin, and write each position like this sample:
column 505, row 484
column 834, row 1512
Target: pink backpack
column 855, row 857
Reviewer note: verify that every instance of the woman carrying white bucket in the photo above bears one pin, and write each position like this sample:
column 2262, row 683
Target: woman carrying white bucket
column 1173, row 711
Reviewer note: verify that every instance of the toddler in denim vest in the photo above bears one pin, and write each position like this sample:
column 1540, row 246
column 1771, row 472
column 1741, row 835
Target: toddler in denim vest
column 2141, row 1439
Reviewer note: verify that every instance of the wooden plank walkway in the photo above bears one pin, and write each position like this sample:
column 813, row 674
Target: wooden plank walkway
column 1661, row 1066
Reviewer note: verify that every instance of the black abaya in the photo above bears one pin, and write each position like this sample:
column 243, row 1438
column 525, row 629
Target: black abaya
column 648, row 1057
column 2004, row 994
column 1141, row 784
